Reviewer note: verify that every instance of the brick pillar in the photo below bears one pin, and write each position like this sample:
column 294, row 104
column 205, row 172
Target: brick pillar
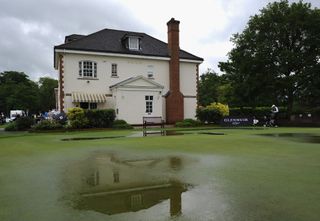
column 174, row 99
column 61, row 84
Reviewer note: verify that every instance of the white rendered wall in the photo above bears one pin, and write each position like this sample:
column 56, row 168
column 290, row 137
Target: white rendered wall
column 190, row 105
column 127, row 67
column 188, row 87
column 188, row 79
column 131, row 104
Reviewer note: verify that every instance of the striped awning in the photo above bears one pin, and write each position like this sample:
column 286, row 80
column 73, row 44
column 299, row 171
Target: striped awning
column 88, row 97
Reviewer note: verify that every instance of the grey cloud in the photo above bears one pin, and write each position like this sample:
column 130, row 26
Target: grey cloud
column 30, row 29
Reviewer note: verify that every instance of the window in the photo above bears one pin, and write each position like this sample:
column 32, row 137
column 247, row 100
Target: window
column 134, row 43
column 150, row 71
column 136, row 201
column 116, row 177
column 87, row 105
column 149, row 104
column 114, row 70
column 87, row 69
column 84, row 105
column 94, row 179
column 93, row 106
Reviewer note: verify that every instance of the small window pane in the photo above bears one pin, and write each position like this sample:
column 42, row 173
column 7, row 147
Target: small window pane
column 84, row 105
column 149, row 104
column 93, row 105
column 114, row 70
column 133, row 43
column 87, row 69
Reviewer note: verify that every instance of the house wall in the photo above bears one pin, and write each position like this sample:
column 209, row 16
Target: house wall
column 188, row 87
column 128, row 67
column 131, row 104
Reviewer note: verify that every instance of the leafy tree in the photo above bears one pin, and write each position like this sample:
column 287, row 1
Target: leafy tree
column 213, row 88
column 46, row 93
column 276, row 59
column 17, row 91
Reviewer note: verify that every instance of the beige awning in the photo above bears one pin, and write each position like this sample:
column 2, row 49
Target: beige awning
column 88, row 97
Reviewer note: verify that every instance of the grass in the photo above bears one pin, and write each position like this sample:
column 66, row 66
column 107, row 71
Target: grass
column 255, row 178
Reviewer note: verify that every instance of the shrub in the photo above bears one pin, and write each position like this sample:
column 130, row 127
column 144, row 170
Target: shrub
column 61, row 118
column 11, row 127
column 121, row 124
column 21, row 123
column 213, row 112
column 188, row 123
column 47, row 125
column 100, row 118
column 77, row 118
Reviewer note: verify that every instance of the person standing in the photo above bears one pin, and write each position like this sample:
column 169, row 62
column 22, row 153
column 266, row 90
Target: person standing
column 274, row 113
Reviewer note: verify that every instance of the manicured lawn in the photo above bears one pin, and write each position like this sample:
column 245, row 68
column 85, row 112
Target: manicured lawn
column 236, row 176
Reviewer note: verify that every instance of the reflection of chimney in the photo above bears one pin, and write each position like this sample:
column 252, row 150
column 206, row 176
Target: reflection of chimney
column 175, row 202
column 174, row 99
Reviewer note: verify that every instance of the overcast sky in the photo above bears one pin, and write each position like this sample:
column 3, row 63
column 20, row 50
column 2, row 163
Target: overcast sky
column 30, row 28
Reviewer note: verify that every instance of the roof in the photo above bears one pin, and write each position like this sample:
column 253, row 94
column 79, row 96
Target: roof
column 111, row 41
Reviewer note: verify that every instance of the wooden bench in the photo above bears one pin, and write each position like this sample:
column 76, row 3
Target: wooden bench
column 152, row 122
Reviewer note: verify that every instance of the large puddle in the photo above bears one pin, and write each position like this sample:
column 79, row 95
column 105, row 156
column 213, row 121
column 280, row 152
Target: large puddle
column 111, row 184
column 298, row 137
column 153, row 133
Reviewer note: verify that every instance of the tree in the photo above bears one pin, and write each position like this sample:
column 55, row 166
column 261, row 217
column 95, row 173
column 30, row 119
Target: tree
column 46, row 93
column 276, row 59
column 213, row 88
column 17, row 91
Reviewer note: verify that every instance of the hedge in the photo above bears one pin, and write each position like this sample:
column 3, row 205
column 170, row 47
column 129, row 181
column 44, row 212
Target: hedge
column 100, row 118
column 79, row 118
column 188, row 123
column 121, row 124
column 20, row 123
column 47, row 125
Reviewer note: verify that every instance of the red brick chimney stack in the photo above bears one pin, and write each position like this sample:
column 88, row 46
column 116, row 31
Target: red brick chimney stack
column 174, row 100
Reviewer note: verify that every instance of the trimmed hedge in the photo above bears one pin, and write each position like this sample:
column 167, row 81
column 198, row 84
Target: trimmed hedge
column 188, row 123
column 121, row 124
column 258, row 112
column 100, row 118
column 79, row 118
column 47, row 125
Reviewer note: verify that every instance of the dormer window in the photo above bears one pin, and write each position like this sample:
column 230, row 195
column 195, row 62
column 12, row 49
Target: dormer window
column 134, row 43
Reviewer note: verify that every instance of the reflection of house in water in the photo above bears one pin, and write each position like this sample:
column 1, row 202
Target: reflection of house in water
column 111, row 185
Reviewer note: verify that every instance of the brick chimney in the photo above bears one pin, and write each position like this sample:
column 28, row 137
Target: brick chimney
column 174, row 99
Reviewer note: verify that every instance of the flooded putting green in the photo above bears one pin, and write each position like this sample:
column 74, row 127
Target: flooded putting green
column 298, row 137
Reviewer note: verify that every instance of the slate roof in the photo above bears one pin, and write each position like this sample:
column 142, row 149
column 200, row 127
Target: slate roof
column 111, row 41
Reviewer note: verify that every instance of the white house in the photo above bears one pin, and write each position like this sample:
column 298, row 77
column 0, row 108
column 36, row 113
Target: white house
column 131, row 72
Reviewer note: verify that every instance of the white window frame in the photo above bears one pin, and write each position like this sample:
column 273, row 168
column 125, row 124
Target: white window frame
column 149, row 103
column 114, row 70
column 134, row 43
column 87, row 69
